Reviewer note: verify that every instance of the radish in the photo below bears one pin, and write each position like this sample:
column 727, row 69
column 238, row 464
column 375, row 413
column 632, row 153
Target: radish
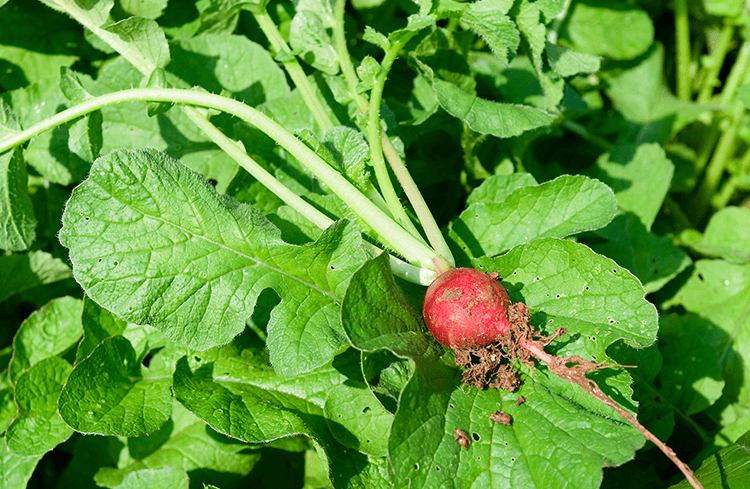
column 470, row 312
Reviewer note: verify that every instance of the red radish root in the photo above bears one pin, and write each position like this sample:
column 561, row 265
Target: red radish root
column 469, row 311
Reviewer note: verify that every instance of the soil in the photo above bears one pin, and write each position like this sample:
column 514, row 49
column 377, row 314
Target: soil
column 491, row 365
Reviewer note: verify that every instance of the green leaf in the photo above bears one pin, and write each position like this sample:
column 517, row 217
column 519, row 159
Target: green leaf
column 37, row 428
column 533, row 29
column 27, row 56
column 608, row 28
column 15, row 471
column 568, row 62
column 729, row 467
column 97, row 10
column 653, row 259
column 198, row 283
column 488, row 20
column 98, row 324
column 350, row 153
column 727, row 235
column 564, row 206
column 358, row 420
column 235, row 391
column 145, row 40
column 109, row 394
column 152, row 9
column 498, row 187
column 486, row 116
column 48, row 332
column 584, row 434
column 49, row 152
column 719, row 292
column 18, row 229
column 691, row 376
column 310, row 41
column 19, row 273
column 166, row 478
column 723, row 8
column 187, row 444
column 238, row 65
column 639, row 175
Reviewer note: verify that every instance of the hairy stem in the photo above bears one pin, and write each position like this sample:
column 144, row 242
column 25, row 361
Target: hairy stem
column 345, row 61
column 389, row 231
column 295, row 71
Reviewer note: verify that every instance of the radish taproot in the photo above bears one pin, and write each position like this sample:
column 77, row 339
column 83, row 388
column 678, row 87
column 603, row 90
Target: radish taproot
column 470, row 312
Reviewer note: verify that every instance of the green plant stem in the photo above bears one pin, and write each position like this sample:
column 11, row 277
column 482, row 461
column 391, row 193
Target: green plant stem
column 388, row 230
column 737, row 74
column 431, row 229
column 727, row 191
column 373, row 133
column 295, row 71
column 580, row 130
column 682, row 40
column 717, row 60
column 715, row 169
column 345, row 61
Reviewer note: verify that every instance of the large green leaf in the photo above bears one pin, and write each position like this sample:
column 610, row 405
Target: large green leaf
column 155, row 244
column 15, row 471
column 727, row 235
column 557, row 429
column 564, row 206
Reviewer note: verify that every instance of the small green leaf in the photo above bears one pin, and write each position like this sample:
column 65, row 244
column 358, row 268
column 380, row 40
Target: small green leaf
column 486, row 116
column 567, row 205
column 145, row 40
column 157, row 79
column 22, row 272
column 17, row 220
column 653, row 259
column 199, row 286
column 98, row 324
column 639, row 175
column 108, row 394
column 724, row 8
column 691, row 376
column 727, row 235
column 71, row 86
column 48, row 332
column 498, row 187
column 38, row 429
column 488, row 20
column 152, row 9
column 15, row 471
column 350, row 153
column 358, row 420
column 568, row 62
column 608, row 28
column 310, row 41
column 166, row 478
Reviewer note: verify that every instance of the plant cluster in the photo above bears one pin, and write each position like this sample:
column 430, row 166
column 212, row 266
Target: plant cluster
column 219, row 219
